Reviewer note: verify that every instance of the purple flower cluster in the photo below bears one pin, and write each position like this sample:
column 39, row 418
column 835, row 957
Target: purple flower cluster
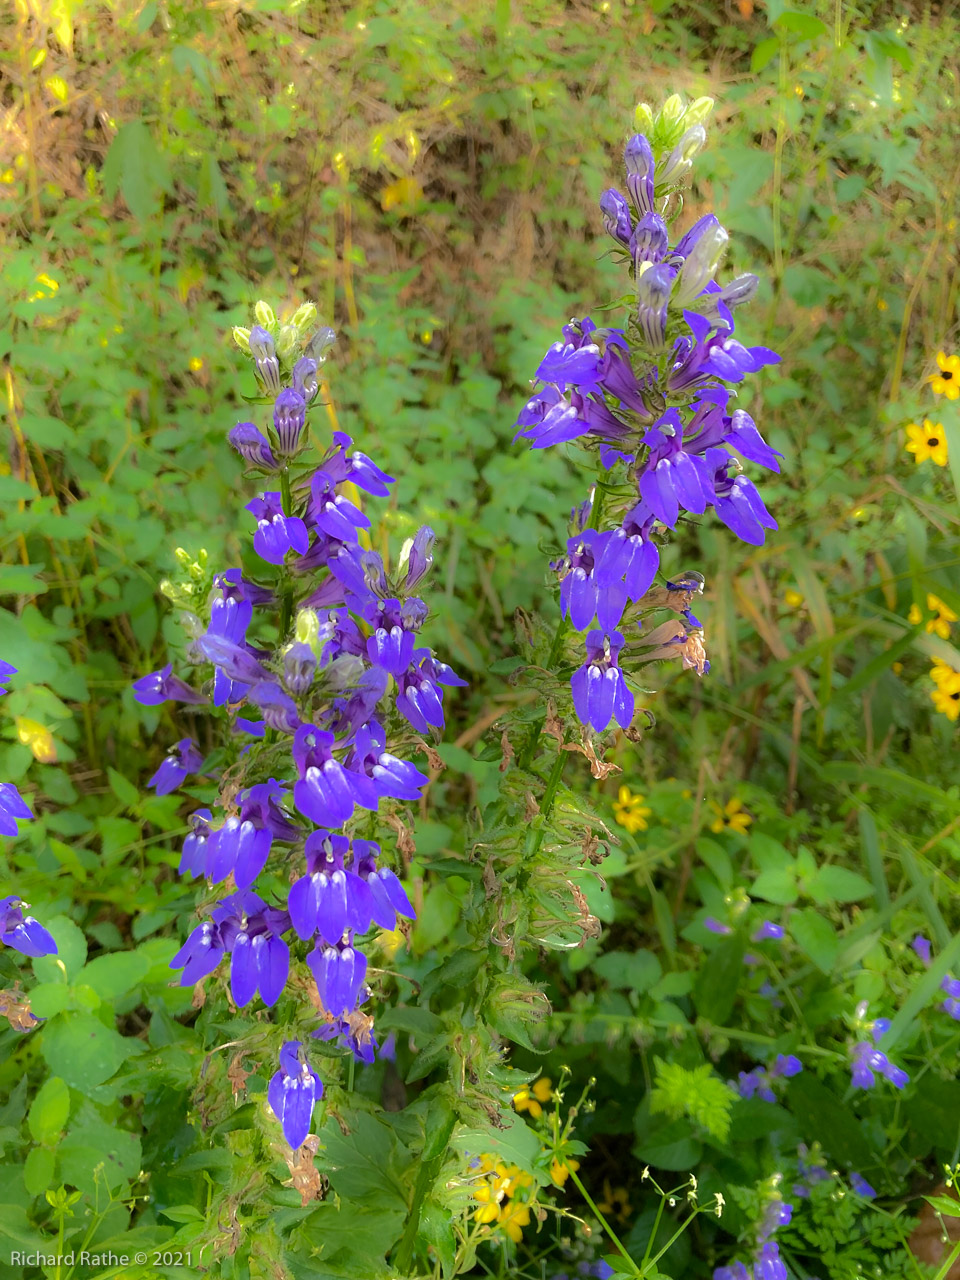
column 23, row 933
column 654, row 400
column 350, row 683
column 767, row 1263
column 868, row 1061
column 757, row 1083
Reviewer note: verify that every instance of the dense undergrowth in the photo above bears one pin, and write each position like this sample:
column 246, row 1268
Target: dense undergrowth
column 430, row 176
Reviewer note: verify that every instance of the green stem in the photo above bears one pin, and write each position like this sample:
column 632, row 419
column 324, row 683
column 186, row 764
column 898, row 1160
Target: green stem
column 286, row 597
column 605, row 1224
column 653, row 1235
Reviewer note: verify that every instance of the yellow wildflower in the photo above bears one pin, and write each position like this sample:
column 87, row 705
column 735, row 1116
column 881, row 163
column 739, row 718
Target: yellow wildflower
column 531, row 1098
column 946, row 381
column 944, row 675
column 560, row 1170
column 938, row 625
column 196, row 364
column 630, row 811
column 792, row 599
column 927, row 441
column 38, row 738
column 732, row 817
column 615, row 1202
column 947, row 700
column 513, row 1218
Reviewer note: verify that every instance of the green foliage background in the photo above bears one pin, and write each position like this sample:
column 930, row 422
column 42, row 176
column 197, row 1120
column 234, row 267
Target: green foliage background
column 429, row 175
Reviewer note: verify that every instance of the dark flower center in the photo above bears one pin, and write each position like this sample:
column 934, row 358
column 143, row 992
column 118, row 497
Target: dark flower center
column 933, row 440
column 946, row 375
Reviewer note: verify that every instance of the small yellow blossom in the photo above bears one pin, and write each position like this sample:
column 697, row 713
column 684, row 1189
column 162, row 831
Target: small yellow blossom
column 532, row 1097
column 792, row 599
column 560, row 1170
column 946, row 381
column 38, row 738
column 928, row 441
column 732, row 817
column 615, row 1202
column 391, row 940
column 48, row 287
column 196, row 364
column 513, row 1218
column 944, row 675
column 881, row 305
column 940, row 623
column 630, row 811
column 947, row 701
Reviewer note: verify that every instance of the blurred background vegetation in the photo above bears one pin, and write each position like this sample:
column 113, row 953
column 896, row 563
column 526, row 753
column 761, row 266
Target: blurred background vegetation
column 429, row 173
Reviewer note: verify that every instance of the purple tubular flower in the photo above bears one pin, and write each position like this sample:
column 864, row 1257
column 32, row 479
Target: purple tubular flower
column 861, row 1186
column 23, row 933
column 769, row 1265
column 950, row 985
column 293, row 1093
column 568, row 365
column 746, row 439
column 304, row 378
column 921, row 946
column 252, row 445
column 200, row 954
column 162, row 686
column 276, row 533
column 866, row 1060
column 331, row 513
column 389, row 775
column 289, row 416
column 239, row 849
column 246, row 927
column 265, row 358
column 6, row 671
column 339, row 972
column 12, row 807
column 327, row 793
column 260, row 961
column 616, row 216
column 786, row 1065
column 952, row 1008
column 183, row 759
column 767, row 930
column 299, row 668
column 736, row 500
column 193, row 857
column 735, row 1271
column 420, row 559
column 392, row 650
column 713, row 925
column 600, row 691
column 387, row 896
column 755, row 1084
column 649, row 241
column 278, row 708
column 549, row 418
column 583, row 595
column 638, row 158
column 654, row 287
column 356, row 1034
column 420, row 696
column 329, row 899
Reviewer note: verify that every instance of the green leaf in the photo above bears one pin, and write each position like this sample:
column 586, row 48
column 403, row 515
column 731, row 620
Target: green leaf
column 824, row 1118
column 778, row 885
column 516, row 1143
column 946, row 1205
column 837, row 884
column 83, row 1051
column 717, row 984
column 38, row 1170
column 50, row 1109
column 115, row 974
column 816, row 938
column 123, row 789
column 632, row 971
column 21, row 580
column 804, row 25
column 71, row 952
column 361, row 1163
column 91, row 1145
column 764, row 53
column 137, row 167
column 922, row 994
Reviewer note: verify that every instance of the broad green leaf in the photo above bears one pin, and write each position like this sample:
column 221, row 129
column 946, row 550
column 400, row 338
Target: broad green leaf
column 804, row 25
column 71, row 952
column 38, row 1170
column 816, row 938
column 717, row 984
column 764, row 53
column 838, row 884
column 115, row 974
column 50, row 1109
column 83, row 1051
column 631, row 970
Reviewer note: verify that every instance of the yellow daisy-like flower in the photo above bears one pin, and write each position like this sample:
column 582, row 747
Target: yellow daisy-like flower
column 792, row 599
column 940, row 623
column 513, row 1218
column 928, row 441
column 532, row 1097
column 630, row 811
column 196, row 364
column 943, row 675
column 732, row 817
column 946, row 381
column 615, row 1202
column 560, row 1170
column 947, row 699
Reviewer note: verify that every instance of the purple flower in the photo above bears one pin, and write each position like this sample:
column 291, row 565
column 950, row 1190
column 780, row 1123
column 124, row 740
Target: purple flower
column 162, row 686
column 716, row 926
column 734, row 1271
column 755, row 1084
column 420, row 691
column 861, row 1186
column 12, row 807
column 331, row 513
column 867, row 1060
column 339, row 972
column 265, row 359
column 952, row 1007
column 293, row 1093
column 767, row 930
column 600, row 691
column 356, row 1034
column 304, row 378
column 769, row 1265
column 582, row 595
column 289, row 415
column 648, row 241
column 279, row 709
column 23, row 933
column 252, row 445
column 327, row 792
column 6, row 671
column 736, row 500
column 329, row 899
column 921, row 946
column 193, row 857
column 184, row 759
column 389, row 775
column 244, row 926
column 638, row 159
column 299, row 668
column 776, row 1215
column 569, row 364
column 549, row 418
column 616, row 217
column 420, row 558
column 276, row 533
column 237, row 848
column 224, row 644
column 654, row 287
column 786, row 1065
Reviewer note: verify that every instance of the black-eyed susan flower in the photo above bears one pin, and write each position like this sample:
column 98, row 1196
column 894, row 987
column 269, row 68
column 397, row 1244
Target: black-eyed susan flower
column 561, row 1169
column 927, row 441
column 939, row 623
column 615, row 1202
column 946, row 380
column 513, row 1218
column 946, row 696
column 732, row 817
column 533, row 1097
column 630, row 811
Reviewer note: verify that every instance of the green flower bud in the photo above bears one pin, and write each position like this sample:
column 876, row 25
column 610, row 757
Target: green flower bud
column 643, row 119
column 669, row 125
column 698, row 112
column 265, row 316
column 242, row 338
column 307, row 629
column 182, row 556
column 304, row 317
column 288, row 340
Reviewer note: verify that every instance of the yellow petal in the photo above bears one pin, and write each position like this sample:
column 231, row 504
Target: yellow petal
column 38, row 738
